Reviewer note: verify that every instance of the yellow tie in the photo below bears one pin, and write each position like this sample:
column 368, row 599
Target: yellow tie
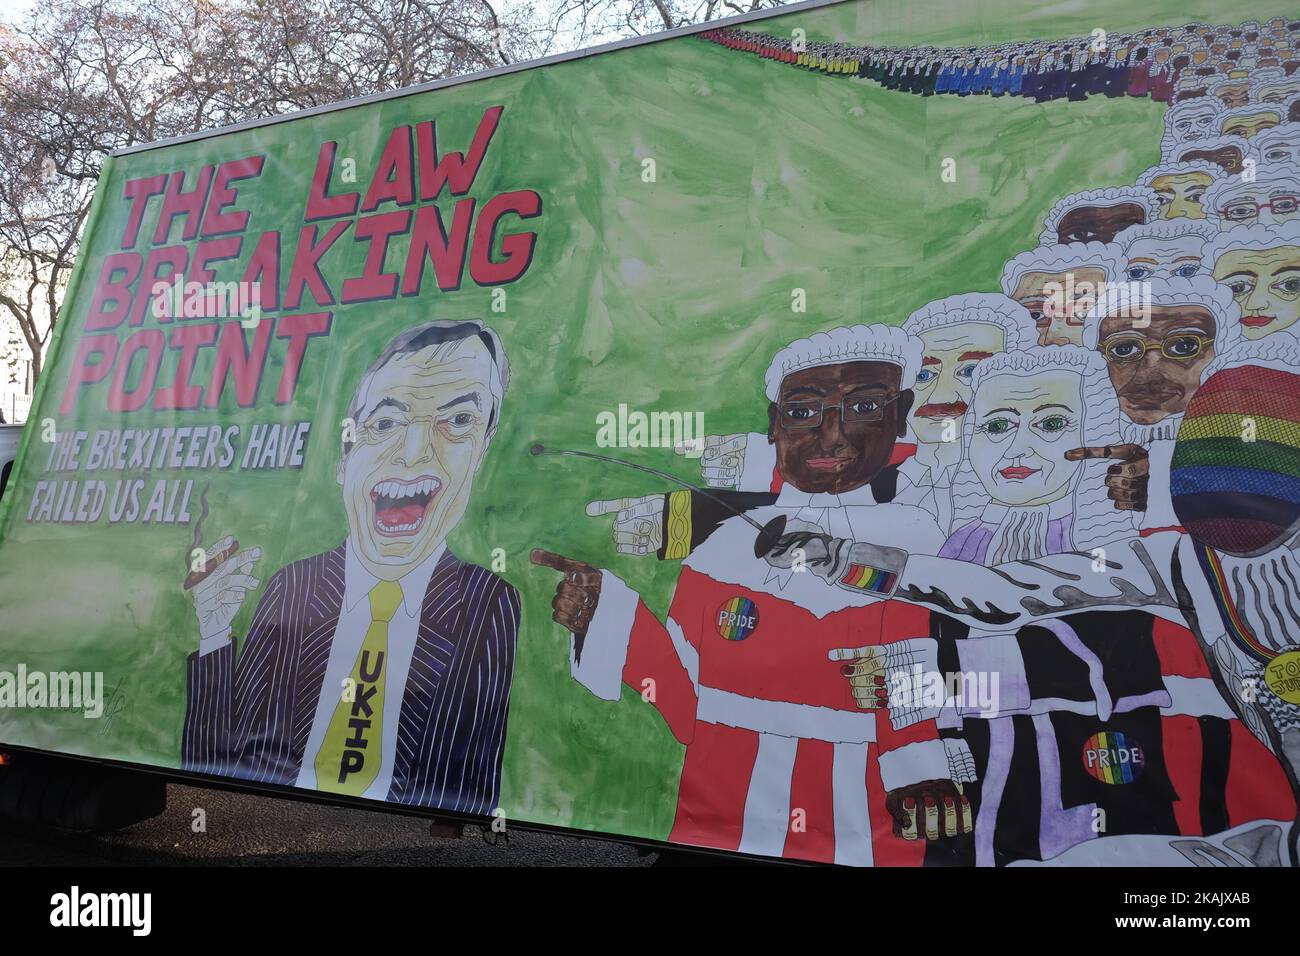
column 349, row 757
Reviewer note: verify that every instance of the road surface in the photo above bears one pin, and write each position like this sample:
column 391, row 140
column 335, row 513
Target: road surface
column 247, row 830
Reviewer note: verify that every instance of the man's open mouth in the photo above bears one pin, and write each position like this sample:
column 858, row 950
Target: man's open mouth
column 400, row 505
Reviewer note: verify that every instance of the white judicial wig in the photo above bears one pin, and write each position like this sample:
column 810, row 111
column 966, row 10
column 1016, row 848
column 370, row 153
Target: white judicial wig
column 1104, row 197
column 1134, row 298
column 1188, row 82
column 853, row 343
column 1271, row 180
column 987, row 308
column 1062, row 258
column 1252, row 238
column 1278, row 350
column 1230, row 116
column 1180, row 168
column 1171, row 241
column 1272, row 85
column 1179, row 151
column 1096, row 519
column 1194, row 119
column 1279, row 144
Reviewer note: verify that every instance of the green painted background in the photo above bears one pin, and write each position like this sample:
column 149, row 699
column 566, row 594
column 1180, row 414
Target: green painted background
column 670, row 295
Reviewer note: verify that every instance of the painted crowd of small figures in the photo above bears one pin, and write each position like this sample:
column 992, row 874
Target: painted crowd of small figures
column 1168, row 64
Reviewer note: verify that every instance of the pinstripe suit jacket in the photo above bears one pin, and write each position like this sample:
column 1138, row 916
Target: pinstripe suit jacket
column 250, row 718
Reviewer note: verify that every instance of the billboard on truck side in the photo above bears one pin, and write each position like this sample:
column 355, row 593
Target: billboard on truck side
column 867, row 432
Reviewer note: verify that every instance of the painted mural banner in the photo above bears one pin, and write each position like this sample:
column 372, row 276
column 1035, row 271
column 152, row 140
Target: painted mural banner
column 868, row 433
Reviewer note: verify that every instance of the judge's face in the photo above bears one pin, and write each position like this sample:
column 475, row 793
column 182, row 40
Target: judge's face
column 834, row 426
column 421, row 433
column 944, row 380
column 1024, row 425
column 1233, row 94
column 1228, row 158
column 1195, row 122
column 1153, row 385
column 1058, row 301
column 1250, row 124
column 1260, row 203
column 1180, row 194
column 1279, row 92
column 1098, row 223
column 1281, row 148
column 1266, row 285
column 1178, row 257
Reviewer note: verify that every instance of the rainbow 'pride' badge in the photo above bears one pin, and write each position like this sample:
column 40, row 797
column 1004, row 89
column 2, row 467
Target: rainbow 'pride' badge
column 737, row 618
column 1113, row 757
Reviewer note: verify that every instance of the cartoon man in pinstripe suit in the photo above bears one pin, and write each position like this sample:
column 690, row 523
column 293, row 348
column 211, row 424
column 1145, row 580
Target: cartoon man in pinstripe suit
column 381, row 668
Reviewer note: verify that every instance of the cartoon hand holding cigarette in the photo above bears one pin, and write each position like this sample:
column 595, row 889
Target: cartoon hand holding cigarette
column 220, row 586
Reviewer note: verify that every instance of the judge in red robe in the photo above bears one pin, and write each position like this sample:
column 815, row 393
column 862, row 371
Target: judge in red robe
column 781, row 759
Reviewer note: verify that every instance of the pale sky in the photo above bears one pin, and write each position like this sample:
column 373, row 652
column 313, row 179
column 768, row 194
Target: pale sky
column 12, row 11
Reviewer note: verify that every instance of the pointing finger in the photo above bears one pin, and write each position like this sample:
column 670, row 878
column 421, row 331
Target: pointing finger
column 1126, row 452
column 549, row 559
column 609, row 505
column 642, row 507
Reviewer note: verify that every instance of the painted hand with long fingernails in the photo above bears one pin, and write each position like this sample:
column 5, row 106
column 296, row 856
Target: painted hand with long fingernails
column 931, row 810
column 866, row 677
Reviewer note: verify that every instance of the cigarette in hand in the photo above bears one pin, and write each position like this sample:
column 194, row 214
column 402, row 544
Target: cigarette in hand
column 195, row 577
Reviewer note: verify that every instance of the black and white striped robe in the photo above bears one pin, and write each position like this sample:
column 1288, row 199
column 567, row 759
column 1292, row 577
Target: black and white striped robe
column 250, row 717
